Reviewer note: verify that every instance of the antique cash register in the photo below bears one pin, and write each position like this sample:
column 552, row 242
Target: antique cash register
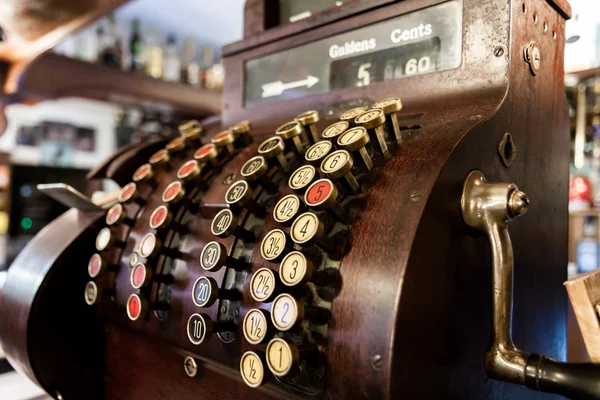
column 339, row 232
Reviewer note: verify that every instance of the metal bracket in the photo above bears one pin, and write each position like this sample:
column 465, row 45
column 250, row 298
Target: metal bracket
column 68, row 196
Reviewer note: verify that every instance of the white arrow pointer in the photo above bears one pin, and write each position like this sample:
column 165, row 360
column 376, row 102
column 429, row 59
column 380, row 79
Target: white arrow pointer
column 276, row 88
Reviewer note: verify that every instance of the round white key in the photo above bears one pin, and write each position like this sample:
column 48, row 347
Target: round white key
column 284, row 312
column 304, row 228
column 353, row 135
column 253, row 166
column 252, row 369
column 302, row 177
column 262, row 285
column 103, row 239
column 255, row 326
column 335, row 161
column 293, row 269
column 335, row 130
column 91, row 293
column 318, row 150
column 286, row 209
column 273, row 244
column 281, row 356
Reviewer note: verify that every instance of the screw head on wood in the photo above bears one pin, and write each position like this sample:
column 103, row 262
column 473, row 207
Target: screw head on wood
column 377, row 361
column 190, row 367
column 532, row 56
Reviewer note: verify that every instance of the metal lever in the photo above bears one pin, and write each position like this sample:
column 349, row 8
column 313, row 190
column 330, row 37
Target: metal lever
column 487, row 208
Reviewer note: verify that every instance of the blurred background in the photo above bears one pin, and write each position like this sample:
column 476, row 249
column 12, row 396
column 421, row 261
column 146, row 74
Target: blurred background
column 177, row 43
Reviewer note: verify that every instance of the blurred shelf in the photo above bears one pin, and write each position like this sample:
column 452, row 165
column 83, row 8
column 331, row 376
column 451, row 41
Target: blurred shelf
column 29, row 73
column 32, row 27
column 593, row 212
column 53, row 76
column 577, row 76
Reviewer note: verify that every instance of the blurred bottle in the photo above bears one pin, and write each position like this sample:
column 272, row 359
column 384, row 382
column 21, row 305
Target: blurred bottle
column 101, row 40
column 587, row 248
column 208, row 59
column 168, row 127
column 136, row 48
column 172, row 67
column 150, row 125
column 579, row 193
column 154, row 55
column 112, row 52
column 217, row 77
column 87, row 45
column 190, row 70
column 123, row 129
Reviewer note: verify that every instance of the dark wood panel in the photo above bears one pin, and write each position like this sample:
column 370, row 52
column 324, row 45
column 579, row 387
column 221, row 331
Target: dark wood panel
column 260, row 15
column 130, row 378
column 52, row 76
column 255, row 21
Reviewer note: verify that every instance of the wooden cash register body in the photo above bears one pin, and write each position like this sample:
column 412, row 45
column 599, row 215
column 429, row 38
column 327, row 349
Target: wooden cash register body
column 412, row 316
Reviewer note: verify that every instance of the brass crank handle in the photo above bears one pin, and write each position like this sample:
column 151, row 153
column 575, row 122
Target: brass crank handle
column 487, row 208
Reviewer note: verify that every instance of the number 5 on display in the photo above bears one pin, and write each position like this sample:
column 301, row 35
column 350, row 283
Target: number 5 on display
column 364, row 76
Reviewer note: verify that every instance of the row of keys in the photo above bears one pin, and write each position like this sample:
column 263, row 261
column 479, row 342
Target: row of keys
column 106, row 238
column 286, row 312
column 337, row 165
column 380, row 121
column 333, row 157
column 141, row 275
column 206, row 155
column 389, row 107
column 226, row 223
column 188, row 173
column 213, row 257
